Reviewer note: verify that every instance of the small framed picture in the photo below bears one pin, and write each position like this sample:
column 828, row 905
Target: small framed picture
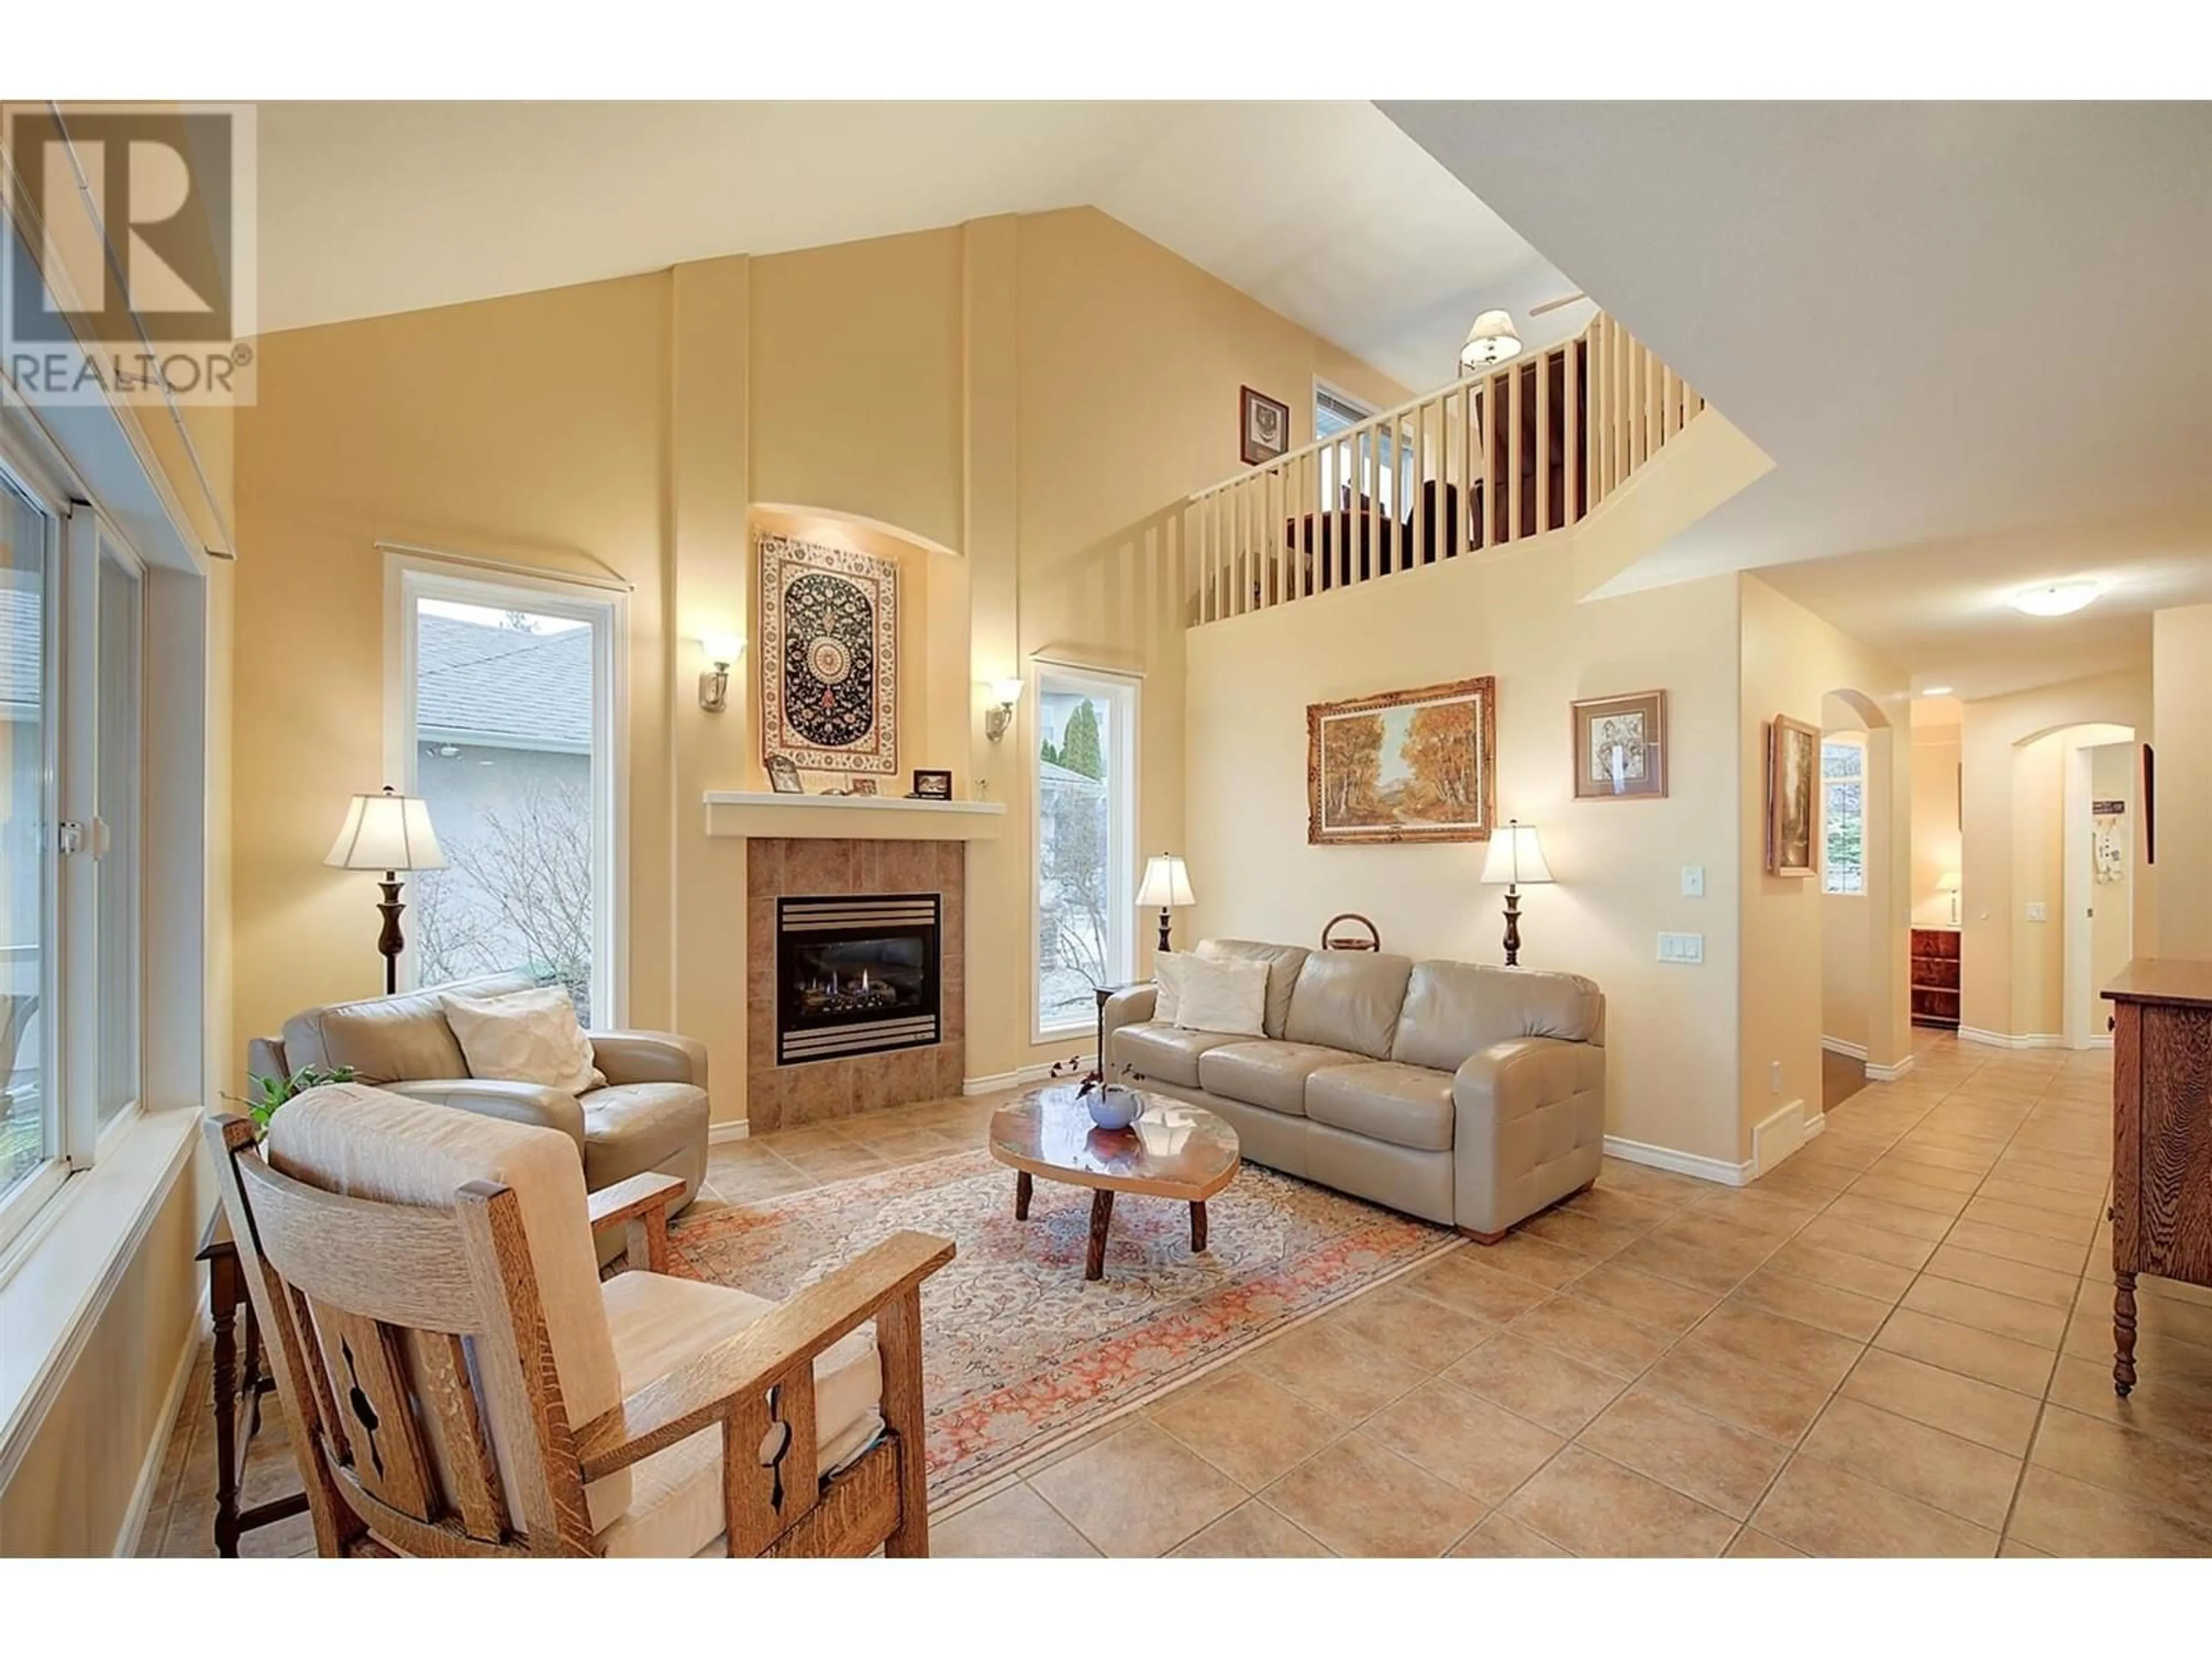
column 932, row 786
column 862, row 787
column 1620, row 747
column 1264, row 427
column 783, row 776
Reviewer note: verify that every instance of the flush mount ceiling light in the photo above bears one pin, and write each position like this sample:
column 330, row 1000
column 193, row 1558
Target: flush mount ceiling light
column 1490, row 341
column 2056, row 599
column 1936, row 692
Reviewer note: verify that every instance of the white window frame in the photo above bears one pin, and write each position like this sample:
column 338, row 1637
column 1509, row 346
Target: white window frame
column 1856, row 742
column 413, row 576
column 1123, row 759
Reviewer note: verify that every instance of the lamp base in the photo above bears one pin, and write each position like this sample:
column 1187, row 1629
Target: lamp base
column 390, row 943
column 1512, row 928
column 1167, row 918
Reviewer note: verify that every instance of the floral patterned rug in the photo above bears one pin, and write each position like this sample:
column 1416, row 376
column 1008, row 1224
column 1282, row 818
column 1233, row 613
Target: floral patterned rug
column 1019, row 1352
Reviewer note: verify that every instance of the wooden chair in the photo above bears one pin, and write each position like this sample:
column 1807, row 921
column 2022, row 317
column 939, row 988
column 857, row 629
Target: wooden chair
column 459, row 1382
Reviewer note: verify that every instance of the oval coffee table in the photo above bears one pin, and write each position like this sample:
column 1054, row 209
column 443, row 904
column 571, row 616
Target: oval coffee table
column 1172, row 1150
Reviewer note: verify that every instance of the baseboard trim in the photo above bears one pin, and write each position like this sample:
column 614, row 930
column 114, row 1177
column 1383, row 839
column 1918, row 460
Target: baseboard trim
column 720, row 1135
column 1877, row 1073
column 1848, row 1049
column 2011, row 1040
column 1781, row 1132
column 2105, row 1040
column 1688, row 1164
column 1019, row 1075
column 128, row 1535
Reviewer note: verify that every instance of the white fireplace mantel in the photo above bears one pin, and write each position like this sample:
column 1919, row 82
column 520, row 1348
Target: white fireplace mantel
column 852, row 817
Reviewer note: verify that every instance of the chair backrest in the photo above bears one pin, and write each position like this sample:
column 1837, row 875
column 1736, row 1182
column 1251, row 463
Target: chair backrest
column 394, row 1039
column 431, row 1295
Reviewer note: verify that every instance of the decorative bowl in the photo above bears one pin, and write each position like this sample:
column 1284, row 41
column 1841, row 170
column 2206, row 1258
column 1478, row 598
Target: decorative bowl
column 1114, row 1107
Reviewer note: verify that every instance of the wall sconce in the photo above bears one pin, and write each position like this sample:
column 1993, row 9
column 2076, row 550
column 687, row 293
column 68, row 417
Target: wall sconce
column 1000, row 715
column 722, row 650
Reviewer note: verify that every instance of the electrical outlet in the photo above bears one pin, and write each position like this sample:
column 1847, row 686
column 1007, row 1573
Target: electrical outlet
column 1681, row 947
column 1774, row 1079
column 2038, row 911
column 1693, row 881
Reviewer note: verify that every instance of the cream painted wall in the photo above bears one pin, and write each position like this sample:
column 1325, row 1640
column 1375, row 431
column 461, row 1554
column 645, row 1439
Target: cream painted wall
column 1671, row 1036
column 2181, row 672
column 2008, row 981
column 1936, row 832
column 1791, row 661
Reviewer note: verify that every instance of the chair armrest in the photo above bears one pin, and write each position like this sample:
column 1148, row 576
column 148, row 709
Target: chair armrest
column 1499, row 1158
column 634, row 1198
column 648, row 1057
column 518, row 1103
column 683, row 1401
column 1132, row 1006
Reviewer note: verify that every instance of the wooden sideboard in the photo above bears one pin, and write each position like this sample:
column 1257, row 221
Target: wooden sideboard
column 1935, row 977
column 2162, row 1136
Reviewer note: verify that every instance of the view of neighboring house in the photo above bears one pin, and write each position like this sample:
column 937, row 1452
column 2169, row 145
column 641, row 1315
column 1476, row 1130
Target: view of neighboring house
column 503, row 755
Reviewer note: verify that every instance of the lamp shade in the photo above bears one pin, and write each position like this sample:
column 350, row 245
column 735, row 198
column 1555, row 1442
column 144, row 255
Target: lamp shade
column 1516, row 856
column 1007, row 690
column 1489, row 342
column 1947, row 882
column 722, row 649
column 386, row 831
column 1166, row 883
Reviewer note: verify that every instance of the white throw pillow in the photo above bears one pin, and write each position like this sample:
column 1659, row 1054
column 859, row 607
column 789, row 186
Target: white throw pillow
column 1223, row 995
column 525, row 1037
column 1167, row 973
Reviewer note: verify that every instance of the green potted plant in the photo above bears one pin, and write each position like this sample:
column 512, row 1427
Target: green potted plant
column 271, row 1093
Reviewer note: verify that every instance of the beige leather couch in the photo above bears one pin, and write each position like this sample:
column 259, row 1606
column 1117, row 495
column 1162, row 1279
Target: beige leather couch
column 652, row 1114
column 1468, row 1095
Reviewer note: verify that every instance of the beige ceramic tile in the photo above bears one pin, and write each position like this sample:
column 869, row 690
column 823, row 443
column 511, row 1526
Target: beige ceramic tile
column 1993, row 1272
column 1926, row 1226
column 1419, row 1330
column 2021, row 1366
column 2062, row 1516
column 1460, row 1281
column 2037, row 1222
column 1751, row 1543
column 2035, row 1322
column 1344, row 1375
column 1910, row 1194
column 1969, row 1234
column 1013, row 1523
column 1138, row 1491
column 1963, row 1406
column 1525, row 1256
column 1824, row 1509
column 1879, row 1281
column 1818, row 1356
column 1701, row 1373
column 1482, row 1448
column 1535, row 1382
column 1595, row 1506
column 1359, row 1498
column 1573, row 1230
column 1594, row 1334
column 1715, row 1462
column 1809, row 1302
column 1660, row 1303
column 2176, row 1478
column 1250, row 1428
column 1250, row 1532
column 1831, row 1232
column 1958, row 1476
column 1501, row 1535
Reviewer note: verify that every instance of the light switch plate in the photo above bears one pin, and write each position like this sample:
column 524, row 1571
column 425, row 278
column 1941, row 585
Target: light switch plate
column 1681, row 947
column 2038, row 911
column 1693, row 881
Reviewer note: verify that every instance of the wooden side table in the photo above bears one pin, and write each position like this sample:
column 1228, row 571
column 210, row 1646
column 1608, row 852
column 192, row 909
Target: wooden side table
column 1105, row 994
column 236, row 1392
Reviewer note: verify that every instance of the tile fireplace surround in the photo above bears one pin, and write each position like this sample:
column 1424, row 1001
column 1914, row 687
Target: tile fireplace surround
column 786, row 1096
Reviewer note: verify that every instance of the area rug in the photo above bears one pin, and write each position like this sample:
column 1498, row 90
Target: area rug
column 1020, row 1353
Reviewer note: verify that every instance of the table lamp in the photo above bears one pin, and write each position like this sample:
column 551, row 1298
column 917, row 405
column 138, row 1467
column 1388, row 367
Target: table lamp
column 1167, row 885
column 389, row 832
column 1948, row 882
column 1515, row 856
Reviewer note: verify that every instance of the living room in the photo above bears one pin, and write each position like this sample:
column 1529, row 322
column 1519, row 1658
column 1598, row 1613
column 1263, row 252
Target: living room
column 842, row 714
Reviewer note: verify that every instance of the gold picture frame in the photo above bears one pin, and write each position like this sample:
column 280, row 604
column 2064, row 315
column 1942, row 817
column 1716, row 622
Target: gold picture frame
column 1620, row 747
column 1793, row 797
column 1418, row 765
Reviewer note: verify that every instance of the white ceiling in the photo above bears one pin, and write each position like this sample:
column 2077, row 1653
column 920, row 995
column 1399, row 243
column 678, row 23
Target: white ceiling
column 1325, row 211
column 1977, row 340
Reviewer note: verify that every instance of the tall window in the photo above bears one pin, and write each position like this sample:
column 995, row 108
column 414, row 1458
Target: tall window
column 1371, row 464
column 29, row 1141
column 508, row 725
column 119, row 782
column 1842, row 774
column 1086, row 839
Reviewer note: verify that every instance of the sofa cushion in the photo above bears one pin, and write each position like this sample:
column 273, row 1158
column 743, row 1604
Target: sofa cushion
column 631, row 1128
column 1270, row 1075
column 1161, row 1049
column 525, row 1037
column 1283, row 962
column 1348, row 999
column 659, row 1324
column 1456, row 1009
column 1220, row 994
column 400, row 1039
column 1405, row 1105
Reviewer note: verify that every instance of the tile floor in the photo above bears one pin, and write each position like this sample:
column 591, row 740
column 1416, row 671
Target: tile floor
column 1897, row 1343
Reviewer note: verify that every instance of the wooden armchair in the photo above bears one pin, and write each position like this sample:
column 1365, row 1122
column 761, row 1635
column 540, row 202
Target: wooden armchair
column 459, row 1382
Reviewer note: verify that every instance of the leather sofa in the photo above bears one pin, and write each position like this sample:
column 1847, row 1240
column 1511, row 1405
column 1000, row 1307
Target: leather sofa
column 651, row 1115
column 1470, row 1095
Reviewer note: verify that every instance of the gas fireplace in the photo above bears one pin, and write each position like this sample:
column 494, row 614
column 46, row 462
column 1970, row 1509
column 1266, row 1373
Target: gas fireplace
column 855, row 975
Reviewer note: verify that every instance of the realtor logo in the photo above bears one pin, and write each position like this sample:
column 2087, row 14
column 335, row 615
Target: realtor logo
column 131, row 270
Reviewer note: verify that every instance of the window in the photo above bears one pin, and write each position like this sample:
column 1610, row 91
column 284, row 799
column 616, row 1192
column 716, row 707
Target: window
column 1086, row 843
column 509, row 690
column 1842, row 774
column 1372, row 464
column 118, row 781
column 30, row 1141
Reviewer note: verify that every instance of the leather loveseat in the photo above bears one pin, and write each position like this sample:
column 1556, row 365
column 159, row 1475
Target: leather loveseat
column 1468, row 1095
column 651, row 1115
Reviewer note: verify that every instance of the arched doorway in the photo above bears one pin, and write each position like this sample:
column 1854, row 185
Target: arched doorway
column 1866, row 1033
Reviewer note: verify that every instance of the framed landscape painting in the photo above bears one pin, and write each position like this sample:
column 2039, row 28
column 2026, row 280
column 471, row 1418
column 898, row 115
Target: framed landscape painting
column 1793, row 796
column 1620, row 747
column 1404, row 766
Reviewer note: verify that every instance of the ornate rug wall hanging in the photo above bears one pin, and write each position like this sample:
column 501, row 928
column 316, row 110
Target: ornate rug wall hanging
column 828, row 657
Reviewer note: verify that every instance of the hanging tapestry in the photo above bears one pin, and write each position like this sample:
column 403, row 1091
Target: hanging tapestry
column 828, row 657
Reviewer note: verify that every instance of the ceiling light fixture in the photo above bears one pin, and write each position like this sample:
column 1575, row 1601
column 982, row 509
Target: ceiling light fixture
column 2057, row 599
column 1936, row 692
column 1492, row 340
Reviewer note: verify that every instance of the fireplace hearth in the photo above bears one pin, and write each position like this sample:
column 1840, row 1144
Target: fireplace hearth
column 856, row 976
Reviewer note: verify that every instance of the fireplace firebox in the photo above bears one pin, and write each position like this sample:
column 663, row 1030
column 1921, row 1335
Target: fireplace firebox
column 856, row 976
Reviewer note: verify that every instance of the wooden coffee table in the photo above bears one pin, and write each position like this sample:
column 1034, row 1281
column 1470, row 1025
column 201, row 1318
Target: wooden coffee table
column 1172, row 1150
